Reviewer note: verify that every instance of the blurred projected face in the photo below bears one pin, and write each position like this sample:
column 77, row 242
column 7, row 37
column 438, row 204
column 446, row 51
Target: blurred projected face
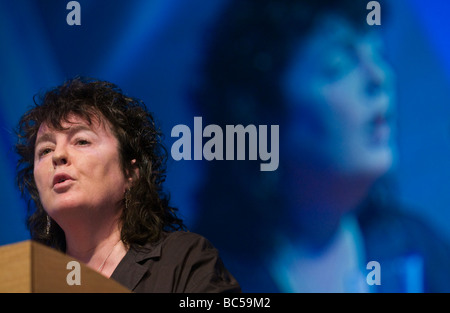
column 339, row 92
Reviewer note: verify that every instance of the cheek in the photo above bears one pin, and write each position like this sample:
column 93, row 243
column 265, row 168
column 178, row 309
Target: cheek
column 107, row 174
column 41, row 175
column 115, row 176
column 346, row 101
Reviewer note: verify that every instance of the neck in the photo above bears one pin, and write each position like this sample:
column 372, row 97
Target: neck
column 95, row 242
column 321, row 200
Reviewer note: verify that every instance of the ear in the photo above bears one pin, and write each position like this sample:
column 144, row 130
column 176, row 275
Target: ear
column 134, row 175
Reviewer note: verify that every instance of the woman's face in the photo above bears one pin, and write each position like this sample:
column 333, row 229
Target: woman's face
column 78, row 169
column 339, row 91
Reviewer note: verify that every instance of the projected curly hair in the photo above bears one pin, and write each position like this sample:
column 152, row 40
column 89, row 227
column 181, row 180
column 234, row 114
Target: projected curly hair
column 146, row 211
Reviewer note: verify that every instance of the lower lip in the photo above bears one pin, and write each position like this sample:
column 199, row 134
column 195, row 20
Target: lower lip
column 63, row 186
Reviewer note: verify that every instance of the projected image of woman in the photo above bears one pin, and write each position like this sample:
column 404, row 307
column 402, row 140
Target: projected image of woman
column 316, row 69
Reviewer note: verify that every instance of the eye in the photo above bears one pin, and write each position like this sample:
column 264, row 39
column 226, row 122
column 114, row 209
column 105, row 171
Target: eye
column 340, row 62
column 44, row 152
column 82, row 142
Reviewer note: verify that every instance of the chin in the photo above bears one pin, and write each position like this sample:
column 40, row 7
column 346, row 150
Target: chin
column 63, row 208
column 370, row 167
column 374, row 171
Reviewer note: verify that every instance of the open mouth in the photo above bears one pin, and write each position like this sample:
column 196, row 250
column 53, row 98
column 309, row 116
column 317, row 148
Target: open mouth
column 61, row 178
column 379, row 120
column 380, row 129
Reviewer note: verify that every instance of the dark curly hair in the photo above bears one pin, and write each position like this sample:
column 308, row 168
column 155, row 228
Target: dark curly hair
column 146, row 211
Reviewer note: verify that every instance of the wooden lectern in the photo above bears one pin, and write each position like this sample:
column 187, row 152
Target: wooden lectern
column 32, row 267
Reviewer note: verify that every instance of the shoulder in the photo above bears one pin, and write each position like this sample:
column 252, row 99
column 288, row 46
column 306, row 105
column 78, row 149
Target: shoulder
column 190, row 251
column 187, row 262
column 186, row 241
column 398, row 222
column 394, row 235
column 182, row 236
column 173, row 246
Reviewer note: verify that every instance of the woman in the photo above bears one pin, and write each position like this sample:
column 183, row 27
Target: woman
column 93, row 164
column 316, row 69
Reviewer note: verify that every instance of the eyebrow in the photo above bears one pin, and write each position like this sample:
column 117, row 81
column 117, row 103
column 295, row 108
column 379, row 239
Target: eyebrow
column 49, row 136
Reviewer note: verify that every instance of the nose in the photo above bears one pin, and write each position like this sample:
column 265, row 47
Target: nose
column 378, row 77
column 60, row 157
column 378, row 73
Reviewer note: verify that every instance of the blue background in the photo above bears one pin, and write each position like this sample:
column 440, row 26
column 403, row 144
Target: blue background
column 151, row 49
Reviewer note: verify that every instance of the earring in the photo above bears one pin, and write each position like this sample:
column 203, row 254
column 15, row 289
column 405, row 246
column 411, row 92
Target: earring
column 127, row 198
column 49, row 224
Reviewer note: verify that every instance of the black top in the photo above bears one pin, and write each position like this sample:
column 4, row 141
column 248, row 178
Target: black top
column 179, row 262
